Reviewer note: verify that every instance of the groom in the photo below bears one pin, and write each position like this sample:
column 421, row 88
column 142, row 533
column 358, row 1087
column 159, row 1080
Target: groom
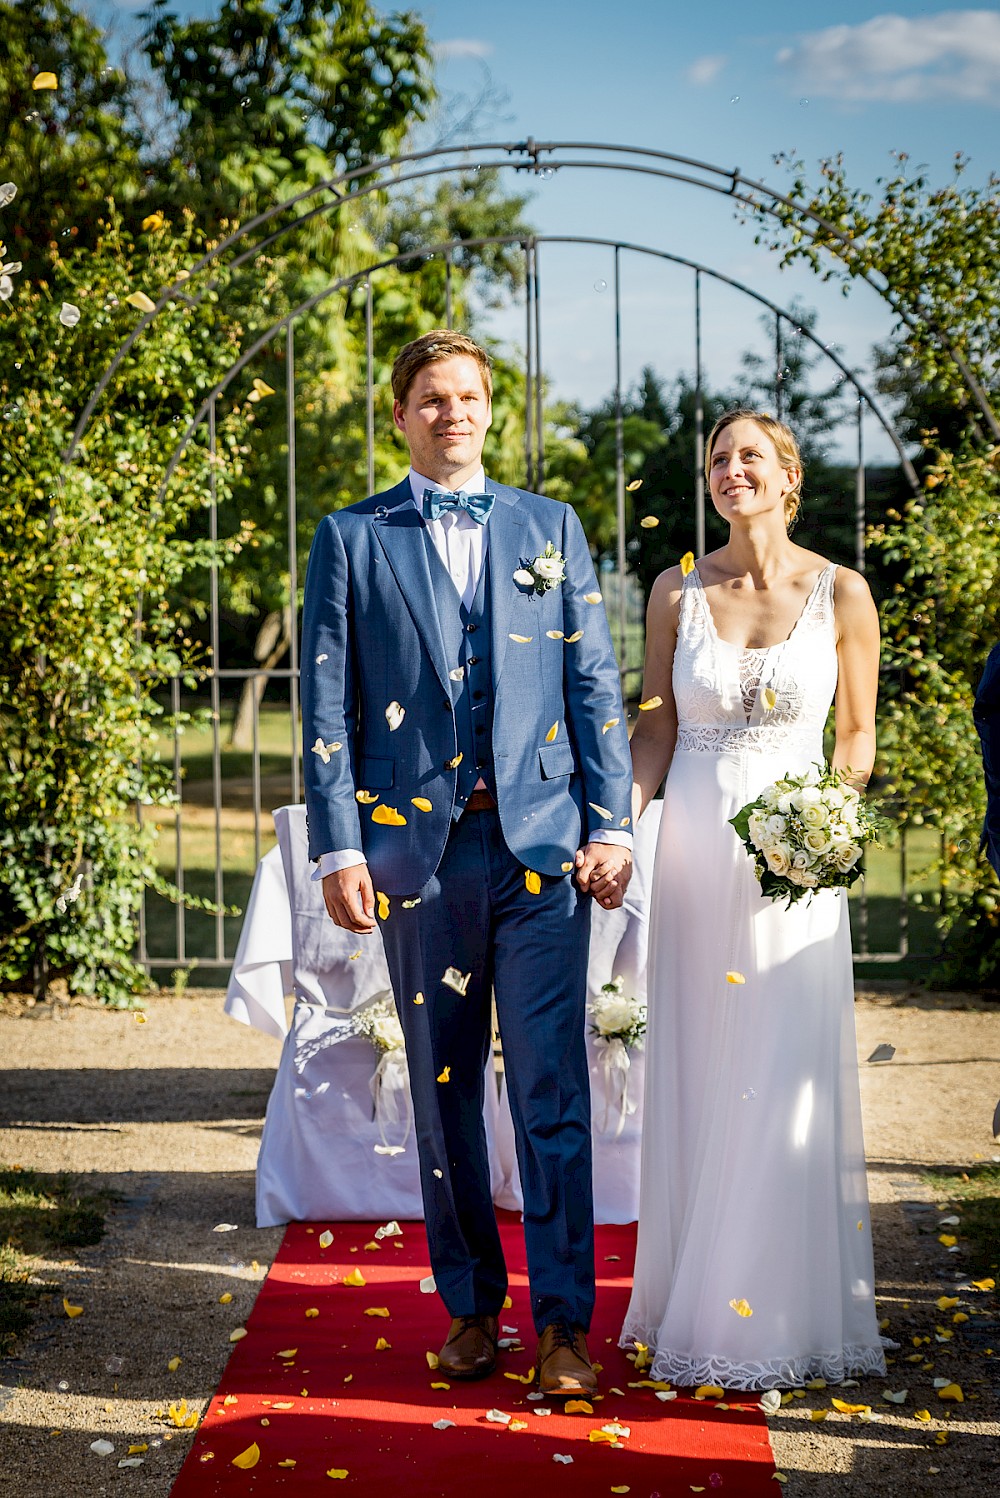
column 468, row 785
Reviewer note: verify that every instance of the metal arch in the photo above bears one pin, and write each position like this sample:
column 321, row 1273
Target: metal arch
column 445, row 248
column 525, row 156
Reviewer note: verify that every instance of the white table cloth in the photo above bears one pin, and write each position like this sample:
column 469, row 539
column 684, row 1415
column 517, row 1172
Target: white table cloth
column 318, row 1150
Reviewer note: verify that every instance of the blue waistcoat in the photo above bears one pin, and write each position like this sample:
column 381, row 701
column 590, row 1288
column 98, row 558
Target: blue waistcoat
column 468, row 641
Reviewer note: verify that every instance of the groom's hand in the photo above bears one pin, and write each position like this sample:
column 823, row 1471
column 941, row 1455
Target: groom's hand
column 604, row 870
column 350, row 899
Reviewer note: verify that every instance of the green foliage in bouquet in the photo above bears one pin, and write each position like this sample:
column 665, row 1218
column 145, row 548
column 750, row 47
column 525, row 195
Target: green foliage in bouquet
column 90, row 554
column 805, row 833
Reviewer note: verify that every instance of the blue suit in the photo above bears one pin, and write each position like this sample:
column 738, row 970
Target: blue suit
column 987, row 718
column 383, row 624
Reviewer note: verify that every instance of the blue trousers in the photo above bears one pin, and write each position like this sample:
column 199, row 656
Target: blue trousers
column 476, row 916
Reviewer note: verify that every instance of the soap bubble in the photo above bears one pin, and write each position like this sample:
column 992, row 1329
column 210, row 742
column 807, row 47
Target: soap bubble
column 748, row 1096
column 600, row 285
column 735, row 99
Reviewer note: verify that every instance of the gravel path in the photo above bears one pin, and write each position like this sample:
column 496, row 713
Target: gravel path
column 168, row 1114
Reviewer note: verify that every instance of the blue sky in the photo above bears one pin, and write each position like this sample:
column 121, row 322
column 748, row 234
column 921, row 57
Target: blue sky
column 730, row 84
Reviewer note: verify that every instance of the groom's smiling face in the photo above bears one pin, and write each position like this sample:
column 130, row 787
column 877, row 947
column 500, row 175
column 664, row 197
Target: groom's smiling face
column 444, row 419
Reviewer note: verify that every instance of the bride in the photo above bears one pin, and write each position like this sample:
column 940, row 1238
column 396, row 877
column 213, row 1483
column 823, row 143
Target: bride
column 754, row 1260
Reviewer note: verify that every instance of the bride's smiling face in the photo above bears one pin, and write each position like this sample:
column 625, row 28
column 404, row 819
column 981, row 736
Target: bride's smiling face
column 746, row 475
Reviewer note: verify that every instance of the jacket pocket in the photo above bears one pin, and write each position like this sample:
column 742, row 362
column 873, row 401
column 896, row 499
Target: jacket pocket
column 556, row 760
column 377, row 774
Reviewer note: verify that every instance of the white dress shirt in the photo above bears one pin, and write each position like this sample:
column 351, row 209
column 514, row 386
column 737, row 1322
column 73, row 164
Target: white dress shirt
column 461, row 544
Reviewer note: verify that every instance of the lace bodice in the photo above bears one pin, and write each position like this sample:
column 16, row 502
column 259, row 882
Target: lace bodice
column 731, row 700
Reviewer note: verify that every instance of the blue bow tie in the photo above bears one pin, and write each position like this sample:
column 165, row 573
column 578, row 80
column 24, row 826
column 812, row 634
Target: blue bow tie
column 437, row 503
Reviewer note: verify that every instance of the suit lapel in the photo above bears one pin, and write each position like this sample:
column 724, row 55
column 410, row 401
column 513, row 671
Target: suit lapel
column 504, row 556
column 400, row 534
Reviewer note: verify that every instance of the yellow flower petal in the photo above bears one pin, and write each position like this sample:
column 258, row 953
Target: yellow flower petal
column 818, row 1414
column 769, row 697
column 922, row 1415
column 421, row 803
column 262, row 387
column 649, row 522
column 959, row 1317
column 953, row 1393
column 849, row 1409
column 611, row 723
column 288, row 1462
column 388, row 816
column 602, row 811
column 741, row 1307
column 572, row 639
column 551, row 735
column 248, row 1458
column 633, row 485
column 383, row 905
column 945, row 1302
column 337, row 1472
column 382, row 1311
column 578, row 1407
column 325, row 1238
column 355, row 1278
column 532, row 882
column 453, row 764
column 623, row 1489
column 521, row 639
column 508, row 1304
column 365, row 797
column 44, row 80
column 555, row 634
column 735, row 978
column 650, row 703
column 445, row 1076
column 418, row 998
column 237, row 1334
column 518, row 1425
column 781, row 1477
column 987, row 1284
column 381, row 1345
column 708, row 1391
column 289, row 1352
column 439, row 1385
column 432, row 1360
column 592, row 597
column 141, row 1019
column 72, row 1311
column 687, row 563
column 141, row 302
column 948, row 1239
column 174, row 1364
column 225, row 1298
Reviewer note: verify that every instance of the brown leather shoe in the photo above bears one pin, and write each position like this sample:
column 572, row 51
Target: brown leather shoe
column 563, row 1362
column 471, row 1347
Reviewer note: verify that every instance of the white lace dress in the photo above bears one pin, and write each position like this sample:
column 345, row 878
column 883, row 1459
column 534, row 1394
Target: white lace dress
column 753, row 1183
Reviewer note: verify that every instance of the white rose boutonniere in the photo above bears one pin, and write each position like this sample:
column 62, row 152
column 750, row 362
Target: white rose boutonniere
column 547, row 571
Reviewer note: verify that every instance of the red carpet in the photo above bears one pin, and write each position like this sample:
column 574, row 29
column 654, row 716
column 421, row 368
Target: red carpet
column 313, row 1390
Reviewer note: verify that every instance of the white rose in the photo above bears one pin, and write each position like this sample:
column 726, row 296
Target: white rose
column 810, row 795
column 846, row 857
column 757, row 830
column 614, row 1015
column 776, row 825
column 815, row 816
column 800, row 859
column 778, row 858
column 784, row 803
column 817, row 840
column 833, row 796
column 549, row 569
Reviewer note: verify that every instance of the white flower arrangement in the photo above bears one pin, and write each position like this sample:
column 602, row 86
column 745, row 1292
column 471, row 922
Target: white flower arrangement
column 616, row 1016
column 806, row 832
column 379, row 1023
column 547, row 571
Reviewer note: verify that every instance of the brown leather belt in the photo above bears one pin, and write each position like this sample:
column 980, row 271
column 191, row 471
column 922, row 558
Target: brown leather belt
column 480, row 801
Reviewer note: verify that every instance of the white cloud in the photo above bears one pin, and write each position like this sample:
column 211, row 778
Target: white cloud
column 462, row 46
column 954, row 55
column 706, row 69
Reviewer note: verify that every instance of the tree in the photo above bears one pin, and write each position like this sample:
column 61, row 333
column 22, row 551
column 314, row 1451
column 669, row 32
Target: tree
column 90, row 553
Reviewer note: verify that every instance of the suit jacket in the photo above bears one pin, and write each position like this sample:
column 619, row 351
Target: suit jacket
column 987, row 718
column 370, row 637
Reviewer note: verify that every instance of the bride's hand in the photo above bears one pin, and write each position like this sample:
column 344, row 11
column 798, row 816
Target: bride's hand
column 604, row 870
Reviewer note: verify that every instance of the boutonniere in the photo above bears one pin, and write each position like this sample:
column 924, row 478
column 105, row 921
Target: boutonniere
column 545, row 572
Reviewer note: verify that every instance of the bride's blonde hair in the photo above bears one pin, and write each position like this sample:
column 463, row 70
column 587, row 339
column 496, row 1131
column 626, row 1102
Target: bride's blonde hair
column 785, row 446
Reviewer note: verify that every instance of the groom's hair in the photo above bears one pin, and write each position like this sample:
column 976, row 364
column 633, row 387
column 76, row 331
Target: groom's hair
column 431, row 348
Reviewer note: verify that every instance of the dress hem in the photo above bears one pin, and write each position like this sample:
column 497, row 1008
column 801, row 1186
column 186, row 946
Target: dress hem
column 768, row 1373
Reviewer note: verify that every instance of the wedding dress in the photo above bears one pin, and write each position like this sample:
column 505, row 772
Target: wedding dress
column 754, row 1259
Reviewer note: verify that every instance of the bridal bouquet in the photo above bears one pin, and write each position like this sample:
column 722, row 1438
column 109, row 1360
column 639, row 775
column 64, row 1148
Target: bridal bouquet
column 806, row 832
column 619, row 1022
column 390, row 1082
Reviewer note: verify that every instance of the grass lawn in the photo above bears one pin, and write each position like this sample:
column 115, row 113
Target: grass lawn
column 39, row 1215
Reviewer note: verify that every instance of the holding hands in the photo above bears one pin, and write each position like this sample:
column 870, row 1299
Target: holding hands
column 604, row 870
